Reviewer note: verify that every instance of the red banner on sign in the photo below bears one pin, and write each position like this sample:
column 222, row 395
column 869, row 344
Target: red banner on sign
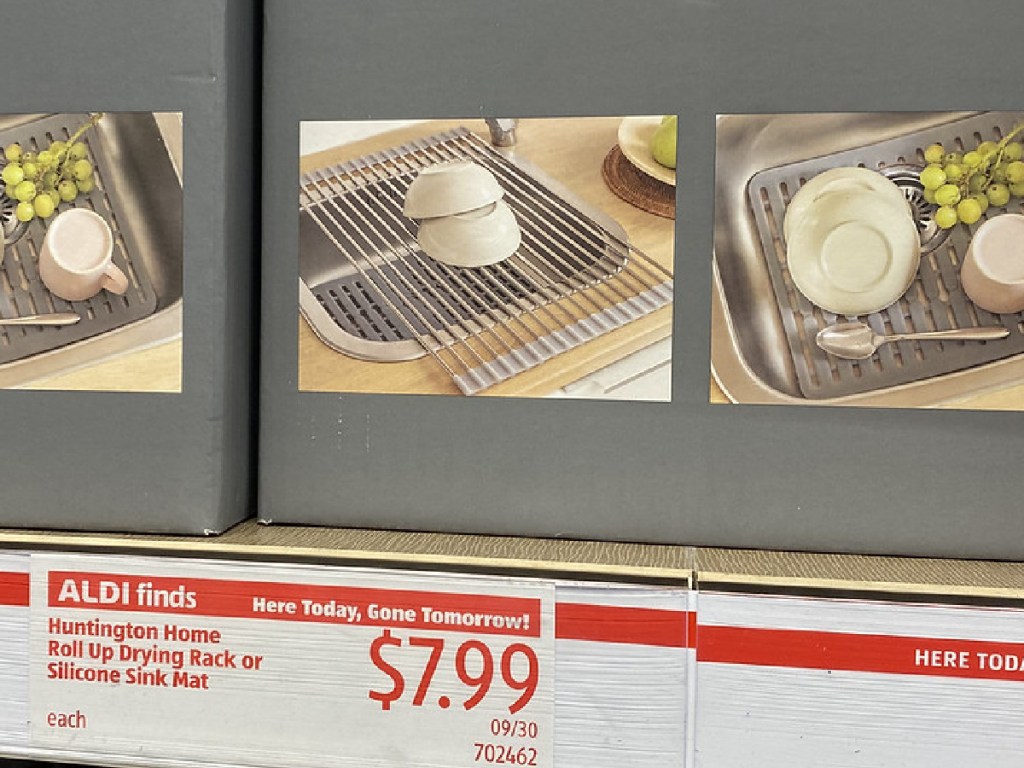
column 359, row 606
column 633, row 626
column 892, row 654
column 14, row 589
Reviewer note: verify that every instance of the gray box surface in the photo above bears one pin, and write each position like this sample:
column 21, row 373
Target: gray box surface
column 874, row 480
column 147, row 461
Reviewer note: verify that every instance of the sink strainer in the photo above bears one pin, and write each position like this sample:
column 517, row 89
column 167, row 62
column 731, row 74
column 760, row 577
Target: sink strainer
column 935, row 300
column 12, row 228
column 908, row 179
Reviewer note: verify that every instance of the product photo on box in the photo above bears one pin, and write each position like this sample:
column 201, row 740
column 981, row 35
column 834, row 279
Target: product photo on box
column 450, row 246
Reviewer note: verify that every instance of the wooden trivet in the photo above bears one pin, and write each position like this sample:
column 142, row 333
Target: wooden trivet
column 636, row 187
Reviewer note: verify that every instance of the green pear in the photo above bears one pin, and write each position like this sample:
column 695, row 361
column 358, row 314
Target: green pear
column 663, row 142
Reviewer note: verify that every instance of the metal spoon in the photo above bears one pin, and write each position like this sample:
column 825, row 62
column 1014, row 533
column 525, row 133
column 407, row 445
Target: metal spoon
column 857, row 341
column 53, row 318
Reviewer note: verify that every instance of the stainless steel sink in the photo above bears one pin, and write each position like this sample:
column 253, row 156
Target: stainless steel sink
column 138, row 157
column 761, row 329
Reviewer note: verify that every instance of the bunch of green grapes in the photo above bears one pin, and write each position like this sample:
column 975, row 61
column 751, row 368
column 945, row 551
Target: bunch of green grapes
column 40, row 181
column 965, row 184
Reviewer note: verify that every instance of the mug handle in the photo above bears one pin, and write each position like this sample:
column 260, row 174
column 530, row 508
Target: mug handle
column 114, row 279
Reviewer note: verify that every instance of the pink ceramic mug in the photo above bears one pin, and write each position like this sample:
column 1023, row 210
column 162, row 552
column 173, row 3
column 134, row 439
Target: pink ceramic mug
column 76, row 260
column 993, row 270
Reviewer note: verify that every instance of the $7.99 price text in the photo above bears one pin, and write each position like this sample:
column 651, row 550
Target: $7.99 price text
column 475, row 666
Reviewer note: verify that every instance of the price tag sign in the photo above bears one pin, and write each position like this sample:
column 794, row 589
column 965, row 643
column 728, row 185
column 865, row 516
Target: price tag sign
column 283, row 665
column 812, row 681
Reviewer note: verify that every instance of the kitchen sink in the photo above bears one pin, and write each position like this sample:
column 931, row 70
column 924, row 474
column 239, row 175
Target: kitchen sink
column 138, row 162
column 762, row 329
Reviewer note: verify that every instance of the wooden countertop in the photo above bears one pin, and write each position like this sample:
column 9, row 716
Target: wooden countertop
column 156, row 369
column 1009, row 399
column 1006, row 399
column 571, row 151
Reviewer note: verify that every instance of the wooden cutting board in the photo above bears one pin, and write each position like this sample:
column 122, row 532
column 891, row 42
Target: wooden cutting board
column 570, row 150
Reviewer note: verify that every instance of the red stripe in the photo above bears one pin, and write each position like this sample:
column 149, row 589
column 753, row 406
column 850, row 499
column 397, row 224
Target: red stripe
column 634, row 626
column 891, row 654
column 14, row 589
column 238, row 599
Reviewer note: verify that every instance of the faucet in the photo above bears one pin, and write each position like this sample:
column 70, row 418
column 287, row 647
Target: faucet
column 503, row 130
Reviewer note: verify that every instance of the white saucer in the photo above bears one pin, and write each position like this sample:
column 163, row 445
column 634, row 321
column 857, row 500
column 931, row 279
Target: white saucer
column 854, row 252
column 851, row 178
column 635, row 142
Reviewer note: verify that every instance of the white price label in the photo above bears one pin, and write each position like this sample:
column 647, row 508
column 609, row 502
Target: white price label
column 286, row 664
column 805, row 682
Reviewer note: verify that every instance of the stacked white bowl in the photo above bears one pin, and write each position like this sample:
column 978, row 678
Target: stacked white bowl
column 464, row 220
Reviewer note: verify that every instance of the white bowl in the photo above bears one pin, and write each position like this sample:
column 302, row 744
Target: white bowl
column 473, row 239
column 993, row 271
column 836, row 179
column 854, row 252
column 451, row 188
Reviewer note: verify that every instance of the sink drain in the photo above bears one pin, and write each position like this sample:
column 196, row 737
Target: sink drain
column 12, row 228
column 908, row 178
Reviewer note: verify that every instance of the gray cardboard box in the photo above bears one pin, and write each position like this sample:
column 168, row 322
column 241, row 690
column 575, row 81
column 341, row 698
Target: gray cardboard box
column 137, row 417
column 911, row 469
